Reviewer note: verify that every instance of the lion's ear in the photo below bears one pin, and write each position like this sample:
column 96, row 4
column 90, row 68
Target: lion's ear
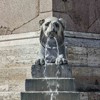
column 61, row 20
column 41, row 22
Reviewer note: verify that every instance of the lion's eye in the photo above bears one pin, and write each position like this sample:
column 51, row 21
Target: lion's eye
column 57, row 25
column 47, row 24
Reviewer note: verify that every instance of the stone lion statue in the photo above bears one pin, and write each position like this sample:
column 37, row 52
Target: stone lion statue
column 52, row 48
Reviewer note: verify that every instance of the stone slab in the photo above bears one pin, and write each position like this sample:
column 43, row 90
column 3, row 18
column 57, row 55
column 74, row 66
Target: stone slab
column 47, row 95
column 44, row 84
column 51, row 70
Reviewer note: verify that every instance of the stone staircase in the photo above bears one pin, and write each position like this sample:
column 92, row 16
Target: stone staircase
column 50, row 82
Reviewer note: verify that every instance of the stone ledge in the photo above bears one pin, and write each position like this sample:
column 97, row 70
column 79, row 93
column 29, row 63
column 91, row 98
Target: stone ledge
column 82, row 35
column 29, row 35
column 47, row 95
column 19, row 36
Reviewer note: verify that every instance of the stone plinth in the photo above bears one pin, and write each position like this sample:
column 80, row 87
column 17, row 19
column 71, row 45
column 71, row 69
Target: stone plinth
column 51, row 70
column 47, row 95
column 41, row 84
column 50, row 82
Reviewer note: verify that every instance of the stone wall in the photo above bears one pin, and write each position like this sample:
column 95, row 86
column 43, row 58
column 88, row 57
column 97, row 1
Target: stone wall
column 80, row 15
column 19, row 51
column 17, row 16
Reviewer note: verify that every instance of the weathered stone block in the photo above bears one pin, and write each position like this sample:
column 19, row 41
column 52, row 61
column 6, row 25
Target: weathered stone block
column 44, row 84
column 51, row 70
column 47, row 96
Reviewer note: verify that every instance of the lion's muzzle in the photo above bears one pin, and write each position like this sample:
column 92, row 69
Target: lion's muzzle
column 52, row 34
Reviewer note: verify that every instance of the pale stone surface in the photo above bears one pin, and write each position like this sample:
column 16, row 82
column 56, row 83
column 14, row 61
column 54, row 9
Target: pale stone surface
column 10, row 78
column 16, row 85
column 23, row 16
column 17, row 73
column 19, row 36
column 16, row 13
column 45, row 5
column 9, row 95
column 34, row 24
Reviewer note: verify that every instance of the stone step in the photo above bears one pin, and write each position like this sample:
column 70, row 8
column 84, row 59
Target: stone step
column 45, row 84
column 47, row 95
column 51, row 70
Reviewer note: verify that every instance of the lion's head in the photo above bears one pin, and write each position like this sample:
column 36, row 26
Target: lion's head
column 52, row 27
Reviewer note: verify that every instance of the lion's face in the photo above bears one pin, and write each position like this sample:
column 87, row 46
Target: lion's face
column 52, row 27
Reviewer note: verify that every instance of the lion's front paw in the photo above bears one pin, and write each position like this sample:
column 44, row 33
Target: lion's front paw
column 61, row 60
column 40, row 62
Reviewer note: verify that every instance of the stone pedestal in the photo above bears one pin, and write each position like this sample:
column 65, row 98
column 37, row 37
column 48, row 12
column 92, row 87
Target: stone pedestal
column 51, row 70
column 50, row 82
